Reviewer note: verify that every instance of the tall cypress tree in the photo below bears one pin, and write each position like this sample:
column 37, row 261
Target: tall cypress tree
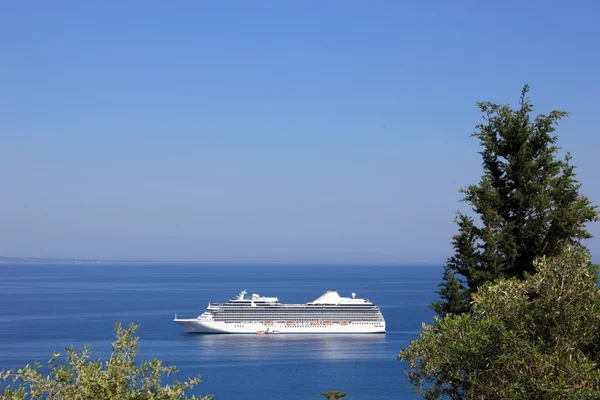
column 527, row 204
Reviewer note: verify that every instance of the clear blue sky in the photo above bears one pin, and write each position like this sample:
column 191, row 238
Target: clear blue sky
column 271, row 130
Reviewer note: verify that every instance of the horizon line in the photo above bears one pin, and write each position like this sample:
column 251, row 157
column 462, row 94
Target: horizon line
column 83, row 260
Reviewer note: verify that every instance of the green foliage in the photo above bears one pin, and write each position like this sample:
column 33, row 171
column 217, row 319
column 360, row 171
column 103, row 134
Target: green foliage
column 527, row 201
column 82, row 378
column 334, row 395
column 454, row 295
column 537, row 338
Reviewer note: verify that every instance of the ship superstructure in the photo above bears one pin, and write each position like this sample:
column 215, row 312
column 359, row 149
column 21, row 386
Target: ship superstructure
column 330, row 313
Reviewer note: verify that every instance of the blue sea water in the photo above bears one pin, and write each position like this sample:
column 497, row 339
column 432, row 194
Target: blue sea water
column 48, row 307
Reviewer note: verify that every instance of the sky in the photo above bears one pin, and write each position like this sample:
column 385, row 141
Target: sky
column 295, row 131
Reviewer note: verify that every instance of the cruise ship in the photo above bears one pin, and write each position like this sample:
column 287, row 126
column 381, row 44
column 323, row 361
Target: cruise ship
column 255, row 314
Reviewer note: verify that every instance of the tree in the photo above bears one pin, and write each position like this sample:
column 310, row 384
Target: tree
column 334, row 395
column 537, row 338
column 527, row 202
column 81, row 378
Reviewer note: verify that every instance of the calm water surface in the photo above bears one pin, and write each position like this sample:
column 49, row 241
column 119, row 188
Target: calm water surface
column 47, row 307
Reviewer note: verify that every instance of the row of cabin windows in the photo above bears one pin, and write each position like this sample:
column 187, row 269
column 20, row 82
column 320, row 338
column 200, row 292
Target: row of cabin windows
column 301, row 315
column 306, row 323
column 290, row 319
column 310, row 326
column 298, row 320
column 305, row 315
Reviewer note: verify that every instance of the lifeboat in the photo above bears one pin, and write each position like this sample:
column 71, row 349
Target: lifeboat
column 268, row 322
column 314, row 322
column 344, row 322
column 260, row 332
column 291, row 322
column 327, row 322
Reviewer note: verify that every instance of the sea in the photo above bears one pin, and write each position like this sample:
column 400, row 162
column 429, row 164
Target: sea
column 49, row 307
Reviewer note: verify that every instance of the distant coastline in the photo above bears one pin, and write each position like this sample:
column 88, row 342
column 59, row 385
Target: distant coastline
column 88, row 261
column 33, row 260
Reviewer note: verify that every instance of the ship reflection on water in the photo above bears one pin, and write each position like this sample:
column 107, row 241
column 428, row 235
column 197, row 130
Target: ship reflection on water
column 288, row 346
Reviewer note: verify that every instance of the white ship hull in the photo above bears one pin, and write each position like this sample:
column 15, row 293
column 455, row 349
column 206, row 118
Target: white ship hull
column 198, row 326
